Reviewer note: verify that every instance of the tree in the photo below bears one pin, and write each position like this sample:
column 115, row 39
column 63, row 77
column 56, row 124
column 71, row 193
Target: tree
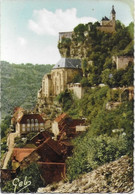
column 33, row 175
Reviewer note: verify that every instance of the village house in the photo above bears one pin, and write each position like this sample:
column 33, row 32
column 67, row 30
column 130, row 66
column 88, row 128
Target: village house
column 64, row 127
column 49, row 154
column 108, row 25
column 29, row 123
column 17, row 114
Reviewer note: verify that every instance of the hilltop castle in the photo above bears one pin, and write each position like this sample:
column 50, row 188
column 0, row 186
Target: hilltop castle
column 107, row 25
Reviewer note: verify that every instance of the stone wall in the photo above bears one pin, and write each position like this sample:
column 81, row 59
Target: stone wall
column 65, row 35
column 77, row 89
column 113, row 177
column 60, row 78
column 122, row 61
column 47, row 85
column 109, row 29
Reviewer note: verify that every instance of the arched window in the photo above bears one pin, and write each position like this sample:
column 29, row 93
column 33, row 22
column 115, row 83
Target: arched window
column 36, row 121
column 32, row 122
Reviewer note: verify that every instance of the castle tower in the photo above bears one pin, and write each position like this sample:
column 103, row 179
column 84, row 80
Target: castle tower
column 113, row 16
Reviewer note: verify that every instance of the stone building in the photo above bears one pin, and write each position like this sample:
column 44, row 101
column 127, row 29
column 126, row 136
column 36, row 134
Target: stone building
column 122, row 61
column 65, row 35
column 29, row 123
column 64, row 127
column 62, row 74
column 108, row 25
column 77, row 89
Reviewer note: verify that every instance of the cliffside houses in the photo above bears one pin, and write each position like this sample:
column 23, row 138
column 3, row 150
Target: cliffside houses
column 23, row 122
column 64, row 127
column 48, row 153
column 29, row 123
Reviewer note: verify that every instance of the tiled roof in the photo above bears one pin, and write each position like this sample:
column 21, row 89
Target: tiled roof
column 76, row 122
column 54, row 145
column 68, row 63
column 18, row 112
column 105, row 18
column 24, row 118
column 21, row 153
column 61, row 117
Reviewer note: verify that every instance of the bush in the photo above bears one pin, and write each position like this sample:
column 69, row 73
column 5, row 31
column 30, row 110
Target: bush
column 33, row 175
column 91, row 152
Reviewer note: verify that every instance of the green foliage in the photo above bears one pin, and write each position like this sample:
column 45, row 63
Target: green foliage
column 5, row 125
column 19, row 143
column 77, row 78
column 19, row 85
column 65, row 99
column 4, row 147
column 91, row 152
column 99, row 47
column 32, row 173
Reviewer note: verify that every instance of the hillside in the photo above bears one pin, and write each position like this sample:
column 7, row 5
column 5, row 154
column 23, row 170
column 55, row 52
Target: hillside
column 110, row 132
column 96, row 49
column 114, row 177
column 19, row 85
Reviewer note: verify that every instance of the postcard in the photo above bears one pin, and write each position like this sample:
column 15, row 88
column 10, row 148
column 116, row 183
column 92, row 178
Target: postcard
column 67, row 96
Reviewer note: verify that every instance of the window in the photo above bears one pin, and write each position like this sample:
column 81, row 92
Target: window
column 23, row 127
column 36, row 128
column 36, row 121
column 28, row 121
column 41, row 124
column 28, row 129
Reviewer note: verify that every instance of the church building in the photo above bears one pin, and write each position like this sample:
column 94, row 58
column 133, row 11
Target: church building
column 62, row 74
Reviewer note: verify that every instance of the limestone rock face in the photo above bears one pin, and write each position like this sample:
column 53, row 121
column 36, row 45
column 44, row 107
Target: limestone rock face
column 114, row 177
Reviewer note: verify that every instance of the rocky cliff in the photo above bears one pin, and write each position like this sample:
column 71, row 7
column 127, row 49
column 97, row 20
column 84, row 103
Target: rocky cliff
column 114, row 177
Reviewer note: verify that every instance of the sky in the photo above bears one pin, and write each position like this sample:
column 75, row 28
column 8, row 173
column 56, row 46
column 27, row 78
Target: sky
column 30, row 28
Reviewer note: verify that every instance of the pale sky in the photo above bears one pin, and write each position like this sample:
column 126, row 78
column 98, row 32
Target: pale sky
column 29, row 28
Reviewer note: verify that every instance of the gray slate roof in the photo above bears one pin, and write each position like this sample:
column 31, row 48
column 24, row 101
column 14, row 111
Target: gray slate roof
column 68, row 63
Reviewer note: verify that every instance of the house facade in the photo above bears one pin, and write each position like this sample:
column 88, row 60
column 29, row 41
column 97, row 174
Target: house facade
column 64, row 127
column 30, row 123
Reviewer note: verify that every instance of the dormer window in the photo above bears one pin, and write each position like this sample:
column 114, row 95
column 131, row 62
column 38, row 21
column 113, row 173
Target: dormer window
column 28, row 121
column 32, row 120
column 36, row 121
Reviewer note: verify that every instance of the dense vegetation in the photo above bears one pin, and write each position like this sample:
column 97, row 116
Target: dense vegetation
column 19, row 85
column 96, row 50
column 32, row 174
column 110, row 132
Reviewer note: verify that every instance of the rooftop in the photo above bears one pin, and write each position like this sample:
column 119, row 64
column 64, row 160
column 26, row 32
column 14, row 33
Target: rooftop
column 24, row 118
column 21, row 153
column 68, row 63
column 61, row 117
